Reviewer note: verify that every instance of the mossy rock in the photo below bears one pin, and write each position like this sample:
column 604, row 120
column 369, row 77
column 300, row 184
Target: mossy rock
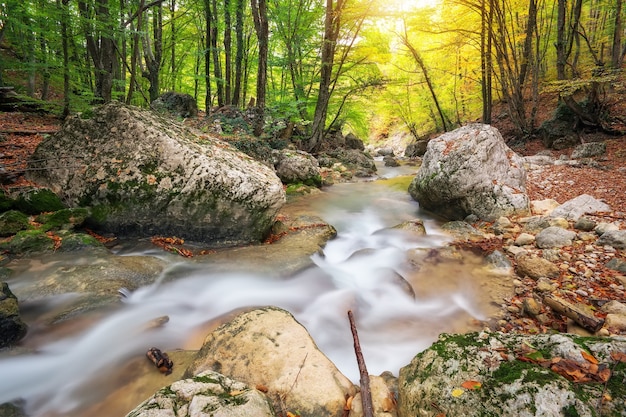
column 497, row 374
column 38, row 200
column 79, row 241
column 6, row 202
column 63, row 219
column 12, row 222
column 28, row 241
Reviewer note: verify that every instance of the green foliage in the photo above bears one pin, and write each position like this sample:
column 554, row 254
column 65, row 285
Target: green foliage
column 12, row 222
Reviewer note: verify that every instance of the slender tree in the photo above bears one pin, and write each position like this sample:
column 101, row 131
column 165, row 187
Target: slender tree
column 261, row 26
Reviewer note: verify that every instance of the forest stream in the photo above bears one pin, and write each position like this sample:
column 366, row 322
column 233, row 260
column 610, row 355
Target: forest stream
column 87, row 366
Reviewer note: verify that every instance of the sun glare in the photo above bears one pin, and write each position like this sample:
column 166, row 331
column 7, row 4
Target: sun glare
column 408, row 5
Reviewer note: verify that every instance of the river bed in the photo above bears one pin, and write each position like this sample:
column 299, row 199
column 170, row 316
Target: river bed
column 402, row 301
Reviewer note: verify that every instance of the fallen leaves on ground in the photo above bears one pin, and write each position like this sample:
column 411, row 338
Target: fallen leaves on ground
column 58, row 240
column 172, row 244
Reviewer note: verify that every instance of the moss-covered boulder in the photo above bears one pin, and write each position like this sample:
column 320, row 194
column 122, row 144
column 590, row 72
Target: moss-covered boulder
column 145, row 175
column 294, row 167
column 496, row 374
column 11, row 222
column 12, row 328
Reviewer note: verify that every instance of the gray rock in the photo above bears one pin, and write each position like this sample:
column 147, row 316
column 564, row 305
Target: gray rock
column 617, row 264
column 588, row 150
column 508, row 386
column 531, row 307
column 296, row 167
column 471, row 171
column 498, row 260
column 352, row 142
column 178, row 104
column 416, row 149
column 144, row 175
column 390, row 161
column 585, row 224
column 461, row 230
column 208, row 394
column 414, row 226
column 385, row 152
column 614, row 238
column 12, row 328
column 576, row 207
column 554, row 237
column 604, row 227
column 268, row 347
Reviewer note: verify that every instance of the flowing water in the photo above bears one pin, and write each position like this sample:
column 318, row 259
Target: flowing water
column 401, row 300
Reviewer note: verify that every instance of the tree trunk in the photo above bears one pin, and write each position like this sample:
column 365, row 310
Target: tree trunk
column 486, row 64
column 429, row 84
column 259, row 13
column 217, row 66
column 65, row 16
column 228, row 52
column 152, row 55
column 332, row 22
column 236, row 100
column 616, row 49
column 207, row 57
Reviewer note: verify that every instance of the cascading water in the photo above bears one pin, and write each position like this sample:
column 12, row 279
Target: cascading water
column 364, row 270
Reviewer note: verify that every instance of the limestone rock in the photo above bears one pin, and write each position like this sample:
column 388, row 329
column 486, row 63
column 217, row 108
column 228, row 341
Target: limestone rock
column 471, row 171
column 508, row 386
column 296, row 167
column 268, row 347
column 576, row 207
column 208, row 394
column 535, row 268
column 12, row 328
column 543, row 207
column 554, row 237
column 416, row 148
column 588, row 150
column 144, row 175
column 415, row 226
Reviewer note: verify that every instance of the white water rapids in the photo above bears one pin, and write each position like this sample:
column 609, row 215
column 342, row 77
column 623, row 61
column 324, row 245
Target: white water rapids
column 358, row 271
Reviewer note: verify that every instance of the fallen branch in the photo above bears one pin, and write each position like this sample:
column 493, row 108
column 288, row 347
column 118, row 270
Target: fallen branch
column 29, row 131
column 580, row 316
column 366, row 393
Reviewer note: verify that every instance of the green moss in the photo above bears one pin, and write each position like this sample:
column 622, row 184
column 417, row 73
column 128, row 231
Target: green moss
column 37, row 201
column 28, row 241
column 6, row 203
column 400, row 183
column 570, row 411
column 12, row 222
column 66, row 218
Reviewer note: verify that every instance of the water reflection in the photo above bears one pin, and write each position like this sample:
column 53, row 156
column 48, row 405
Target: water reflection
column 364, row 269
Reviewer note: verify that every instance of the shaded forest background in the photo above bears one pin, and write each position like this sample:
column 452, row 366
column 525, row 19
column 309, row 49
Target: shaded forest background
column 368, row 67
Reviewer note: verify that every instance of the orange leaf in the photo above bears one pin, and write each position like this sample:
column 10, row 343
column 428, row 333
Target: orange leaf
column 618, row 356
column 471, row 384
column 589, row 357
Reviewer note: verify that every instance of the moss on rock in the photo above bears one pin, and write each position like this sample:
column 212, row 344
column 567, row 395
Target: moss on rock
column 12, row 222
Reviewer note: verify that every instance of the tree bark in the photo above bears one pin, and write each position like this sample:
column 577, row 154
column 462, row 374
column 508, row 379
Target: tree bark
column 228, row 52
column 366, row 393
column 236, row 99
column 616, row 49
column 208, row 101
column 217, row 65
column 259, row 13
column 332, row 23
column 564, row 307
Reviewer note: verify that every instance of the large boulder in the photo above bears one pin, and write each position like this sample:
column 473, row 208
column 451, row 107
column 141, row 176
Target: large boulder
column 12, row 328
column 268, row 349
column 471, row 171
column 496, row 374
column 145, row 175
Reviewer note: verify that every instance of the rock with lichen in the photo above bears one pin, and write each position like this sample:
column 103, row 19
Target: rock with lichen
column 145, row 175
column 484, row 374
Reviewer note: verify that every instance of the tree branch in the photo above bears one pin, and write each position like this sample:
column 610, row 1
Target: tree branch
column 366, row 393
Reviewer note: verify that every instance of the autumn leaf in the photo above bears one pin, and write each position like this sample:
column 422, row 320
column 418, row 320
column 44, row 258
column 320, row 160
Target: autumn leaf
column 589, row 357
column 471, row 385
column 457, row 392
column 618, row 356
